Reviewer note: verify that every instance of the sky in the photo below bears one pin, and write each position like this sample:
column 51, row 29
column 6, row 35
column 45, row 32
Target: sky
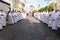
column 38, row 3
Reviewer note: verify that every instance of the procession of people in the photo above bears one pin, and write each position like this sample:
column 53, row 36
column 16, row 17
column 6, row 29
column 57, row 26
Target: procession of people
column 50, row 18
column 10, row 18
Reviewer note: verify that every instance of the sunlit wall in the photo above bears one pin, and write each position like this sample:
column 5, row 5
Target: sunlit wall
column 58, row 4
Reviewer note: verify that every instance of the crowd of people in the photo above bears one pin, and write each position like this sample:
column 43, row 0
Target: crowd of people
column 50, row 18
column 11, row 17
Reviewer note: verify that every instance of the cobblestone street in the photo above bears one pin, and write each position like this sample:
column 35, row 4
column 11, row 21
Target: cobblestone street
column 28, row 29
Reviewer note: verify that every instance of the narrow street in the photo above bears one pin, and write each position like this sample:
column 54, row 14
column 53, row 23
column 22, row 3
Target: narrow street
column 28, row 29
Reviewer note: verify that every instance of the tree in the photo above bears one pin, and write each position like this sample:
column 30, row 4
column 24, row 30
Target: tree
column 34, row 11
column 49, row 8
column 42, row 9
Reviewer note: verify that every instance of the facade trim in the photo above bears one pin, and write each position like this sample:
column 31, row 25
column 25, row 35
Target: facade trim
column 4, row 2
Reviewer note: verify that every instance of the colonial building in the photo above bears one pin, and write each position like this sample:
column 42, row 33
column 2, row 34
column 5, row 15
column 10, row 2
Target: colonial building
column 4, row 5
column 20, row 5
column 58, row 4
column 13, row 4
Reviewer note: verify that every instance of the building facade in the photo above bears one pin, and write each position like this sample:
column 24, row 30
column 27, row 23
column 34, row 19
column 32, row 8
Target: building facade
column 4, row 6
column 13, row 4
column 18, row 5
column 58, row 4
column 21, row 5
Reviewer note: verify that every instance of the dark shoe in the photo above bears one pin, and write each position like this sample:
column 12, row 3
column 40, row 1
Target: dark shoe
column 54, row 30
column 1, row 29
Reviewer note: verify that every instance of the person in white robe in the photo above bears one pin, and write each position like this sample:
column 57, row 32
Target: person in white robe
column 15, row 17
column 4, row 14
column 51, row 13
column 0, row 22
column 1, row 26
column 46, row 17
column 38, row 16
column 43, row 16
column 3, row 18
column 10, row 18
column 55, row 20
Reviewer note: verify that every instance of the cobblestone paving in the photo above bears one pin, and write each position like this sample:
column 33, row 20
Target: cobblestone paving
column 28, row 29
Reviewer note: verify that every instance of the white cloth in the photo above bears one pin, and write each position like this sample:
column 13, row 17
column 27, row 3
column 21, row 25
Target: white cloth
column 20, row 16
column 10, row 19
column 3, row 20
column 43, row 17
column 23, row 15
column 50, row 19
column 35, row 15
column 38, row 16
column 58, row 21
column 55, row 21
column 15, row 17
column 0, row 24
column 46, row 18
column 3, row 13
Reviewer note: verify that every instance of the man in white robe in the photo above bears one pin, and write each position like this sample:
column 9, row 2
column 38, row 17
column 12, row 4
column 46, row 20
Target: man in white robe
column 46, row 17
column 55, row 20
column 50, row 18
column 0, row 21
column 10, row 18
column 40, row 16
column 3, row 18
column 43, row 16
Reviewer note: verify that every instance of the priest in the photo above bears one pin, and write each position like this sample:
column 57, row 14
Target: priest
column 55, row 20
column 0, row 21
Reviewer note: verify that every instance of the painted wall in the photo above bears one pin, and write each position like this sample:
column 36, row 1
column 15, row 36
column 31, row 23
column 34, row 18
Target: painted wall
column 4, row 7
column 58, row 4
column 8, row 1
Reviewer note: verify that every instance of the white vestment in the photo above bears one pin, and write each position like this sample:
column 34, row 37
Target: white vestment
column 50, row 19
column 10, row 18
column 15, row 17
column 2, row 19
column 46, row 17
column 43, row 17
column 55, row 21
column 38, row 16
column 0, row 24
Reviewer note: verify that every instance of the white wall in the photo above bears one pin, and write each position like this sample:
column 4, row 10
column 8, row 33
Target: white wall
column 8, row 1
column 58, row 4
column 4, row 7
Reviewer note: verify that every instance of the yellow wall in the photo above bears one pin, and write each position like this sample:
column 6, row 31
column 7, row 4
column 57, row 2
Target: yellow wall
column 54, row 4
column 23, row 1
column 58, row 4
